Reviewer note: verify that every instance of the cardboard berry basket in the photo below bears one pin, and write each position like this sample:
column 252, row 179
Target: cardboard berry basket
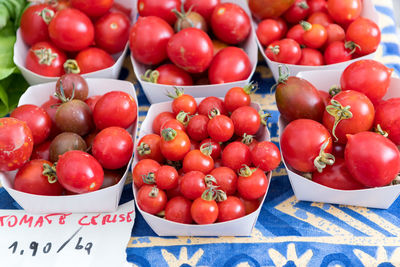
column 102, row 200
column 157, row 92
column 305, row 189
column 239, row 227
column 367, row 12
column 21, row 50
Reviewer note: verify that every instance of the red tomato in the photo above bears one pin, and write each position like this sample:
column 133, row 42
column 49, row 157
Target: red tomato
column 226, row 179
column 178, row 210
column 326, row 97
column 159, row 8
column 192, row 184
column 251, row 205
column 337, row 52
column 209, row 103
column 79, row 172
column 320, row 18
column 231, row 64
column 216, row 148
column 284, row 51
column 92, row 59
column 166, row 177
column 365, row 34
column 235, row 155
column 112, row 32
column 198, row 160
column 71, row 30
column 344, row 11
column 34, row 22
column 372, row 159
column 220, row 128
column 183, row 102
column 315, row 35
column 160, row 120
column 145, row 167
column 115, row 108
column 230, row 209
column 41, row 151
column 252, row 183
column 148, row 147
column 338, row 150
column 197, row 127
column 191, row 49
column 317, row 5
column 151, row 199
column 246, row 120
column 91, row 101
column 311, row 57
column 16, row 144
column 148, row 39
column 175, row 144
column 238, row 97
column 268, row 31
column 296, row 33
column 45, row 59
column 51, row 106
column 335, row 33
column 93, row 8
column 266, row 156
column 204, row 211
column 30, row 179
column 263, row 9
column 337, row 177
column 298, row 11
column 387, row 115
column 315, row 139
column 282, row 25
column 174, row 124
column 36, row 118
column 203, row 7
column 169, row 74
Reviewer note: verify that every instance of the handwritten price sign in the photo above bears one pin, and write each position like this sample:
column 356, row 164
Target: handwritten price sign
column 65, row 239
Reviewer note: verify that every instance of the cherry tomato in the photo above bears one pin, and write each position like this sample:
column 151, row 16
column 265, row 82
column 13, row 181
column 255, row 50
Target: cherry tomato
column 92, row 59
column 230, row 209
column 160, row 120
column 216, row 148
column 72, row 85
column 365, row 34
column 45, row 59
column 231, row 64
column 148, row 147
column 166, row 177
column 246, row 120
column 235, row 155
column 174, row 124
column 30, row 179
column 372, row 159
column 74, row 116
column 282, row 26
column 203, row 7
column 220, row 128
column 251, row 205
column 317, row 5
column 320, row 18
column 337, row 52
column 311, row 57
column 41, row 151
column 268, row 31
column 387, row 116
column 238, row 97
column 198, row 160
column 226, row 179
column 71, row 30
column 34, row 22
column 112, row 32
column 197, row 127
column 148, row 39
column 296, row 33
column 191, row 50
column 64, row 142
column 298, row 11
column 79, row 172
column 175, row 144
column 209, row 103
column 159, row 8
column 204, row 211
column 252, row 183
column 315, row 35
column 192, row 184
column 314, row 139
column 335, row 33
column 266, row 156
column 263, row 9
column 183, row 102
column 169, row 74
column 284, row 51
column 344, row 11
column 16, row 144
column 111, row 178
column 93, row 8
column 189, row 19
column 151, row 199
column 145, row 167
column 51, row 106
column 178, row 210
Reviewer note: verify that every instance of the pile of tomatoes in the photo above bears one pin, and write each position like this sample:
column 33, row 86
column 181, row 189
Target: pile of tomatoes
column 347, row 139
column 202, row 162
column 318, row 32
column 76, row 36
column 193, row 45
column 71, row 144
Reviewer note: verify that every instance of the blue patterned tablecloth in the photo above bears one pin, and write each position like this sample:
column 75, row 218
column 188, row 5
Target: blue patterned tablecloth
column 288, row 232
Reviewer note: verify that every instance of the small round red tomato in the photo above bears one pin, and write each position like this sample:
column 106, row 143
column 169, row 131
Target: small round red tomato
column 372, row 159
column 315, row 142
column 115, row 108
column 298, row 11
column 317, row 5
column 34, row 22
column 220, row 128
column 284, row 51
column 226, row 179
column 183, row 102
column 37, row 120
column 199, row 160
column 365, row 34
column 210, row 103
column 178, row 210
column 204, row 209
column 71, row 30
column 235, row 155
column 315, row 35
column 160, row 8
column 335, row 33
column 148, row 147
column 192, row 184
column 16, row 144
column 41, row 151
column 45, row 59
column 266, row 156
column 93, row 8
column 151, row 199
column 252, row 183
column 197, row 127
column 112, row 32
column 387, row 115
column 296, row 33
column 191, row 49
column 337, row 177
column 344, row 11
column 311, row 57
column 145, row 167
column 246, row 120
column 230, row 23
column 166, row 177
column 148, row 39
column 91, row 101
column 89, row 60
column 175, row 144
column 321, row 18
column 174, row 124
column 230, row 209
column 251, row 205
column 231, row 64
column 160, row 120
column 238, row 97
column 337, row 52
column 79, row 172
column 204, row 7
column 216, row 148
column 268, row 31
column 32, row 180
column 168, row 74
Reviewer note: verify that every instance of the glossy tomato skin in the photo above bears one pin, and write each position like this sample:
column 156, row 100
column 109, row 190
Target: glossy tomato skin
column 335, row 33
column 209, row 103
column 148, row 39
column 203, row 7
column 71, row 30
column 246, row 120
column 298, row 11
column 112, row 32
column 174, row 124
column 197, row 127
column 191, row 49
column 315, row 37
column 317, row 5
column 321, row 18
column 387, row 115
column 253, row 186
column 296, row 33
column 192, row 184
column 34, row 29
column 372, row 159
column 235, row 155
column 216, row 148
column 226, row 179
column 41, row 151
column 16, row 144
column 344, row 11
column 37, row 60
column 159, row 8
column 266, row 156
column 311, row 57
column 176, row 148
column 73, row 85
column 166, row 177
column 79, row 172
column 51, row 106
column 336, row 52
column 195, row 160
column 160, row 120
column 178, row 210
column 37, row 120
column 236, row 97
column 74, row 116
column 299, row 99
column 149, row 203
column 30, row 179
column 365, row 33
column 220, row 128
column 284, row 51
column 231, row 64
column 312, row 135
column 144, row 167
column 367, row 76
column 230, row 209
column 172, row 75
column 64, row 142
column 149, row 148
column 204, row 211
column 93, row 59
column 268, row 31
column 93, row 8
column 185, row 103
column 337, row 176
column 263, row 9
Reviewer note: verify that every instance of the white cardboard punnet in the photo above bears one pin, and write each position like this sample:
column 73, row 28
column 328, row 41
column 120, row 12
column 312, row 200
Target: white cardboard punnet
column 21, row 50
column 239, row 227
column 103, row 200
column 304, row 189
column 157, row 92
column 368, row 12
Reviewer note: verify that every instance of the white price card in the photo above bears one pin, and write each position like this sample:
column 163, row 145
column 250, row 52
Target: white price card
column 65, row 239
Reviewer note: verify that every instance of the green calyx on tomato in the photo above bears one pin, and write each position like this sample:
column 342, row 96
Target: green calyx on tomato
column 339, row 113
column 168, row 134
column 46, row 14
column 62, row 95
column 210, row 180
column 246, row 171
column 153, row 192
column 303, row 5
column 380, row 131
column 45, row 56
column 213, row 113
column 247, row 139
column 282, row 76
column 206, row 149
column 209, row 194
column 306, row 25
column 50, row 172
column 71, row 66
column 144, row 149
column 323, row 158
column 183, row 117
column 149, row 178
column 352, row 46
column 250, row 88
column 334, row 90
column 178, row 93
column 264, row 117
column 150, row 76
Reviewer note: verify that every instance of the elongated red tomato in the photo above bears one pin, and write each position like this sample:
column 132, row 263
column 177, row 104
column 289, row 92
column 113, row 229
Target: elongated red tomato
column 168, row 74
column 160, row 8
